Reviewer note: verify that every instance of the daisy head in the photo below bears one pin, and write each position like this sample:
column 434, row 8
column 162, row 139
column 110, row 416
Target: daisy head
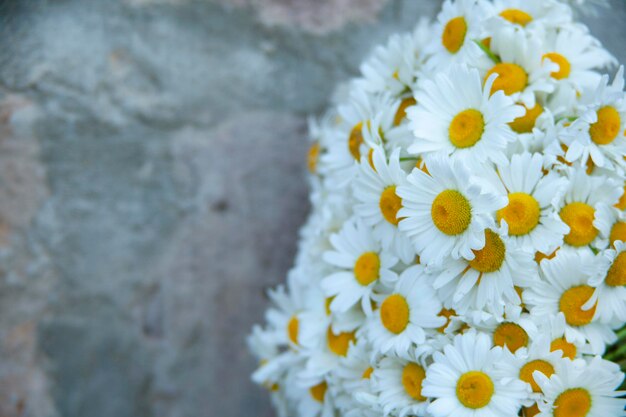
column 488, row 281
column 399, row 383
column 531, row 215
column 598, row 134
column 407, row 315
column 581, row 391
column 375, row 189
column 446, row 211
column 532, row 14
column 458, row 26
column 585, row 208
column 513, row 330
column 361, row 267
column 463, row 381
column 565, row 288
column 456, row 116
column 518, row 64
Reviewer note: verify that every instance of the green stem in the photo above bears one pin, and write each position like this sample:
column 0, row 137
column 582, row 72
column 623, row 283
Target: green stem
column 487, row 51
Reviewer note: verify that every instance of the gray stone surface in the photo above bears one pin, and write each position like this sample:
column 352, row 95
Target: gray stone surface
column 151, row 187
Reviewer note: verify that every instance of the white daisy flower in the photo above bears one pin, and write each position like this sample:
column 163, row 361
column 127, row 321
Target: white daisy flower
column 459, row 25
column 599, row 132
column 577, row 54
column 314, row 400
column 463, row 381
column 514, row 330
column 406, row 315
column 362, row 265
column 565, row 289
column 487, row 282
column 348, row 143
column 446, row 212
column 554, row 327
column 399, row 385
column 531, row 216
column 610, row 285
column 375, row 189
column 588, row 391
column 585, row 208
column 537, row 357
column 532, row 14
column 456, row 116
column 521, row 72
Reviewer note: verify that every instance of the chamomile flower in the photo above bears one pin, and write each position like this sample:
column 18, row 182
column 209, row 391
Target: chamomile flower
column 399, row 385
column 375, row 189
column 354, row 373
column 530, row 14
column 447, row 211
column 487, row 282
column 347, row 145
column 514, row 330
column 459, row 25
column 577, row 391
column 406, row 315
column 610, row 285
column 565, row 288
column 599, row 132
column 463, row 381
column 577, row 54
column 361, row 266
column 554, row 328
column 456, row 116
column 531, row 216
column 584, row 210
column 521, row 72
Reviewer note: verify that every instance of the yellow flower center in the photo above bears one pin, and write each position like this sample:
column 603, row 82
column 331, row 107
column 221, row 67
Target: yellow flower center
column 367, row 268
column 569, row 349
column 390, row 204
column 474, row 389
column 368, row 373
column 511, row 335
column 454, row 33
column 466, row 128
column 511, row 78
column 516, row 16
column 394, row 313
column 401, row 113
column 526, row 373
column 521, row 214
column 327, row 305
column 540, row 256
column 579, row 217
column 571, row 304
column 618, row 232
column 319, row 391
column 356, row 140
column 616, row 277
column 575, row 402
column 339, row 343
column 448, row 314
column 565, row 68
column 526, row 123
column 314, row 152
column 531, row 411
column 489, row 258
column 451, row 212
column 292, row 329
column 412, row 377
column 606, row 129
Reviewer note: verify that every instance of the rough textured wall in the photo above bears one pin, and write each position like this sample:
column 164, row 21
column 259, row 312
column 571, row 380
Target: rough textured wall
column 151, row 187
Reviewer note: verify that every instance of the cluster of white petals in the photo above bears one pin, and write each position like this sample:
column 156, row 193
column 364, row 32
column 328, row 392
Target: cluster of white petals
column 465, row 252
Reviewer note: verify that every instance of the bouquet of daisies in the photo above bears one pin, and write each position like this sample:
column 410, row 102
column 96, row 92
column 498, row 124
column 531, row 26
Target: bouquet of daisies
column 465, row 255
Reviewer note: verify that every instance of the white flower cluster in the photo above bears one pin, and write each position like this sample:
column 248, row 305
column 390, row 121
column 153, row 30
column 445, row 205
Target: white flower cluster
column 465, row 253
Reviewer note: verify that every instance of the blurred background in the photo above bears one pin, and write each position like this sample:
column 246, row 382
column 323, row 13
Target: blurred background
column 152, row 184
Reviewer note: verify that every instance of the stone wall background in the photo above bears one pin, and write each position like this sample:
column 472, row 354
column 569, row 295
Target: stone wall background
column 152, row 185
